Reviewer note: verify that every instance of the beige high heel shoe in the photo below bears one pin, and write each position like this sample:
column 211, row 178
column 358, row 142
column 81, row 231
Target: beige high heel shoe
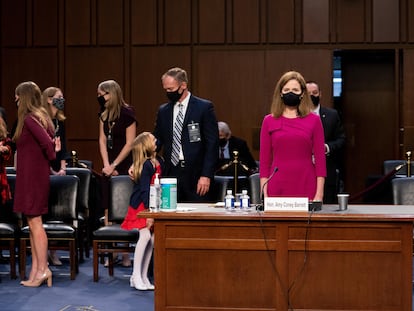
column 24, row 283
column 47, row 276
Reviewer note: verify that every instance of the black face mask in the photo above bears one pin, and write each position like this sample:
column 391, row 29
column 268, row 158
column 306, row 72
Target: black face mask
column 222, row 142
column 101, row 101
column 59, row 103
column 16, row 102
column 174, row 96
column 291, row 99
column 315, row 100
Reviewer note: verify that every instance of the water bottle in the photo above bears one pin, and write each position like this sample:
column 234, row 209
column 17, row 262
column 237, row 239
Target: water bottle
column 244, row 200
column 155, row 194
column 229, row 200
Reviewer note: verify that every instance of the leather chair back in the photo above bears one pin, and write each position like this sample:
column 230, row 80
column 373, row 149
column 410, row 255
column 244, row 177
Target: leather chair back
column 84, row 175
column 221, row 184
column 62, row 197
column 254, row 181
column 403, row 190
column 121, row 187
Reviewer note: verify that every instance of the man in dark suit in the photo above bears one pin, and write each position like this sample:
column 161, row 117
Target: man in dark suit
column 334, row 143
column 192, row 155
column 227, row 145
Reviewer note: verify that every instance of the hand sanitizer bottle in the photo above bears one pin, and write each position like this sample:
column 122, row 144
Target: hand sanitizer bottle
column 155, row 194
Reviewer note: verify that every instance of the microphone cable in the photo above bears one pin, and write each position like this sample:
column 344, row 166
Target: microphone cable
column 272, row 261
column 286, row 293
column 305, row 252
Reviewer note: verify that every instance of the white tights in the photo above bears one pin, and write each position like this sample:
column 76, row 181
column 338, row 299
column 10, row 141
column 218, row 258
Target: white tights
column 142, row 255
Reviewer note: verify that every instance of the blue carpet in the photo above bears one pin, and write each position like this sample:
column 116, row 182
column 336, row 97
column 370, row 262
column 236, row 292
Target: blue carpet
column 81, row 294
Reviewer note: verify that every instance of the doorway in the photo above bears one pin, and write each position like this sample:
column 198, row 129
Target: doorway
column 368, row 104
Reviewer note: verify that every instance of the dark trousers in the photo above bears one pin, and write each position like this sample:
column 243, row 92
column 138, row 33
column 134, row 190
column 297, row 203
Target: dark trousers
column 187, row 181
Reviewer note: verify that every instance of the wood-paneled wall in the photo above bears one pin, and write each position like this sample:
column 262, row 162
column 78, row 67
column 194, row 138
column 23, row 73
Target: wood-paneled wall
column 234, row 52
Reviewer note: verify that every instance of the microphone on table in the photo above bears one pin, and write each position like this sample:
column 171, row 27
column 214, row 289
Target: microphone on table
column 260, row 207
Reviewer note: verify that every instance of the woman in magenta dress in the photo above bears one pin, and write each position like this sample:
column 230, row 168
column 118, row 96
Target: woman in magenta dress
column 292, row 140
column 35, row 149
column 143, row 170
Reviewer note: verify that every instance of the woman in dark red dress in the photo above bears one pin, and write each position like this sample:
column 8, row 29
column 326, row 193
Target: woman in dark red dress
column 35, row 149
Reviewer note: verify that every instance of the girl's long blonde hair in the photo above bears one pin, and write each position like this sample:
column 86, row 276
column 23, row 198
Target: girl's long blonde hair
column 142, row 150
column 30, row 101
column 115, row 103
column 48, row 93
column 3, row 129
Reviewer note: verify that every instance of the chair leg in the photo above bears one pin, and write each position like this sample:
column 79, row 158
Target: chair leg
column 95, row 260
column 80, row 243
column 87, row 241
column 22, row 259
column 111, row 263
column 73, row 261
column 12, row 252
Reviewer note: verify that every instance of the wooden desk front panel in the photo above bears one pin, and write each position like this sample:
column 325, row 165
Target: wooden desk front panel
column 350, row 266
column 231, row 265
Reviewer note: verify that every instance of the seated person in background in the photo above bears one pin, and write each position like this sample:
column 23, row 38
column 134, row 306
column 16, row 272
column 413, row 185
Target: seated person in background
column 228, row 143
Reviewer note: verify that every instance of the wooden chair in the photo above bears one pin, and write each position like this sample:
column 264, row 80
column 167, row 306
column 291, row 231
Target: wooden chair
column 60, row 224
column 82, row 205
column 112, row 239
column 9, row 228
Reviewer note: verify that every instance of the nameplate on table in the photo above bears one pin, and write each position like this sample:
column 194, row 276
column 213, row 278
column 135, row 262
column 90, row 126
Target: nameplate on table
column 286, row 204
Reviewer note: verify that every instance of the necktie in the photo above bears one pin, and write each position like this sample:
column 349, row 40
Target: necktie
column 221, row 153
column 176, row 143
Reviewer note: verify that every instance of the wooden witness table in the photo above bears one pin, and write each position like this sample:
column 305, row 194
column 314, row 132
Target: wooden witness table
column 209, row 259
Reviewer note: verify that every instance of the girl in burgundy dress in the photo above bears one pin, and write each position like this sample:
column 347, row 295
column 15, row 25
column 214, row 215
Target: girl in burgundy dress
column 36, row 147
column 143, row 170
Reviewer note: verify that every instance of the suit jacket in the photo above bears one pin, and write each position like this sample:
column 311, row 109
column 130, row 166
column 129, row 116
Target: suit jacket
column 240, row 145
column 335, row 138
column 201, row 156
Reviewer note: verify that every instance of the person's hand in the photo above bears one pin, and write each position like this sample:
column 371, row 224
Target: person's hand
column 150, row 222
column 58, row 145
column 61, row 172
column 318, row 197
column 3, row 149
column 203, row 185
column 131, row 172
column 108, row 170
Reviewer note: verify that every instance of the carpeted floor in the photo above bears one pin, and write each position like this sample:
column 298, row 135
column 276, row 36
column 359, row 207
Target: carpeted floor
column 81, row 294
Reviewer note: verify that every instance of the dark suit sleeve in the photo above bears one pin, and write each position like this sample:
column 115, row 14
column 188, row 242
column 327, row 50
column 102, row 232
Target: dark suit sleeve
column 162, row 130
column 211, row 141
column 336, row 138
